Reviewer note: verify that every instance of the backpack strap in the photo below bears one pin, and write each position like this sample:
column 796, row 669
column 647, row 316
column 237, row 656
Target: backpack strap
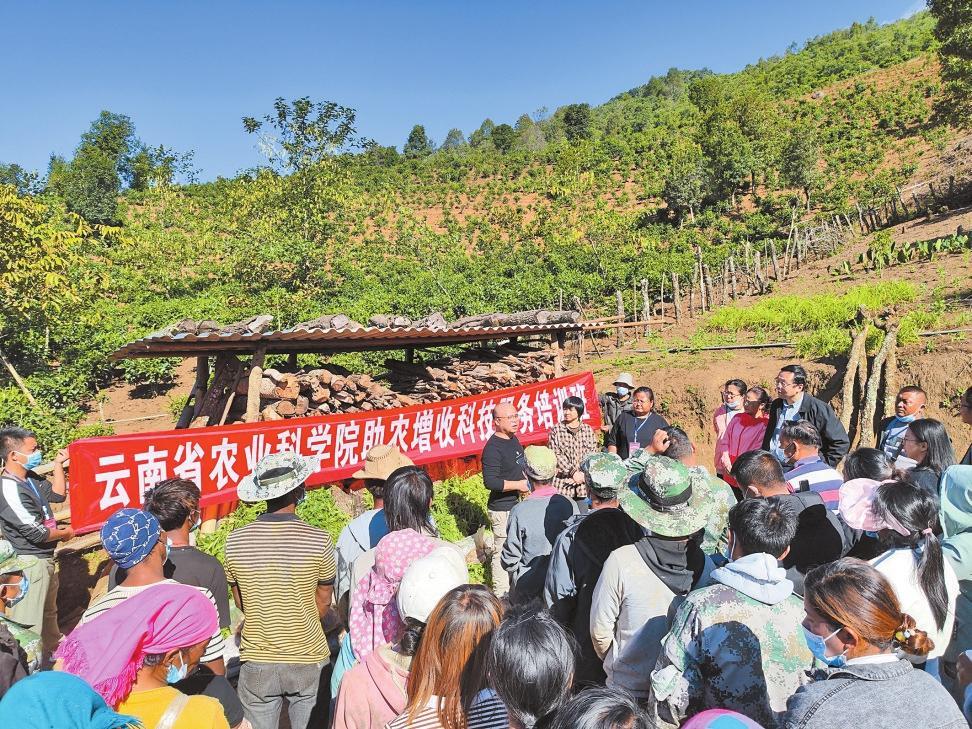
column 172, row 712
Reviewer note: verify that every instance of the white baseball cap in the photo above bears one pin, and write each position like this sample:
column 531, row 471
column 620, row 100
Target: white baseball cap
column 427, row 580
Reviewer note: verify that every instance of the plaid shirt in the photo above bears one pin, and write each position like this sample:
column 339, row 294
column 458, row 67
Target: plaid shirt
column 570, row 447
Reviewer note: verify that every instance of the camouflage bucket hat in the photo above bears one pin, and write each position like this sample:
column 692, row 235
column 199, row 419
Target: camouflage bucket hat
column 11, row 562
column 669, row 499
column 541, row 463
column 276, row 475
column 606, row 474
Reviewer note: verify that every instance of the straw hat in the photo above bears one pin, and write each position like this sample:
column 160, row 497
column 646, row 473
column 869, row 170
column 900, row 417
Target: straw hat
column 380, row 461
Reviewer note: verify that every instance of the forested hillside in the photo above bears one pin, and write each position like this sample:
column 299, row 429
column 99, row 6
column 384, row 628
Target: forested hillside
column 575, row 203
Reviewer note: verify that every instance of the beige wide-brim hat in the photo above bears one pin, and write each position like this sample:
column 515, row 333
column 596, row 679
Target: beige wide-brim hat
column 625, row 379
column 381, row 461
column 276, row 475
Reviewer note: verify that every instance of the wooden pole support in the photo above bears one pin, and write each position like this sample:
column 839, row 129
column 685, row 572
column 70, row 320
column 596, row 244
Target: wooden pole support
column 196, row 395
column 253, row 386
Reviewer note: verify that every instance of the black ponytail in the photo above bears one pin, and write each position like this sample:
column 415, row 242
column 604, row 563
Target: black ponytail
column 412, row 636
column 917, row 511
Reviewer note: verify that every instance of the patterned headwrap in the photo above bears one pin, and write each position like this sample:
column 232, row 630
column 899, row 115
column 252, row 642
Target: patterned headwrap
column 129, row 535
column 374, row 617
column 109, row 650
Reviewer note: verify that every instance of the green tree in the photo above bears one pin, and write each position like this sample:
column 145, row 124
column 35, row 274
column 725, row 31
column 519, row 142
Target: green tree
column 89, row 184
column 454, row 139
column 103, row 162
column 481, row 136
column 418, row 143
column 42, row 261
column 798, row 161
column 504, row 136
column 577, row 121
column 303, row 132
column 685, row 185
column 953, row 30
column 24, row 181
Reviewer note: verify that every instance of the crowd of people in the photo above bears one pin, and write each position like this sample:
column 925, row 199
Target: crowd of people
column 795, row 584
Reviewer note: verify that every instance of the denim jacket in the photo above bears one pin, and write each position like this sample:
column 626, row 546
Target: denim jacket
column 873, row 696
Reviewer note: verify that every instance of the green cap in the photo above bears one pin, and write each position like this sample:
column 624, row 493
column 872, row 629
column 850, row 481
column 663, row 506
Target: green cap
column 11, row 562
column 606, row 474
column 541, row 463
column 669, row 499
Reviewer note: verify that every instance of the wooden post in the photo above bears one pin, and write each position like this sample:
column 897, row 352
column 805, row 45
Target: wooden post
column 634, row 302
column 292, row 361
column 253, row 386
column 661, row 299
column 646, row 305
column 725, row 282
column 580, row 346
column 776, row 264
column 557, row 341
column 732, row 276
column 410, row 355
column 703, row 299
column 758, row 272
column 709, row 293
column 620, row 300
column 695, row 275
column 196, row 395
column 676, row 298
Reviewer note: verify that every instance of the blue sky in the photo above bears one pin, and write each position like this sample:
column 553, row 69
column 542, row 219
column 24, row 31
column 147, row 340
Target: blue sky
column 187, row 71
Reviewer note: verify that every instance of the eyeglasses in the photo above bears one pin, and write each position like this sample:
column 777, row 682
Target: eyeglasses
column 506, row 417
column 728, row 393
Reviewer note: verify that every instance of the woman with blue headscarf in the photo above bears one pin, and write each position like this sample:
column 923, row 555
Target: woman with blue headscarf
column 56, row 700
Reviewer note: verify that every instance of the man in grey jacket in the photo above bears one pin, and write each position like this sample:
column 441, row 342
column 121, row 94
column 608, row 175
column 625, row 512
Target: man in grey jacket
column 534, row 525
column 579, row 554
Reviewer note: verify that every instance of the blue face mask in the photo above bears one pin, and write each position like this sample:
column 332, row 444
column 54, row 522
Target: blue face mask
column 196, row 524
column 906, row 418
column 818, row 646
column 33, row 459
column 173, row 674
column 622, row 391
column 24, row 586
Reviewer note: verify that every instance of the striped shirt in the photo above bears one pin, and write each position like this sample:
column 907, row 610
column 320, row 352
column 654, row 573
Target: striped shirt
column 278, row 562
column 487, row 712
column 822, row 479
column 214, row 649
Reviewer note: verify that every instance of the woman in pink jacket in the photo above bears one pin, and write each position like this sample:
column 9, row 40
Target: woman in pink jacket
column 732, row 405
column 373, row 692
column 745, row 431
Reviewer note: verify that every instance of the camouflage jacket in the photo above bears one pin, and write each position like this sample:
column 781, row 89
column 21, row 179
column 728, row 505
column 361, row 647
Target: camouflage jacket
column 28, row 643
column 728, row 650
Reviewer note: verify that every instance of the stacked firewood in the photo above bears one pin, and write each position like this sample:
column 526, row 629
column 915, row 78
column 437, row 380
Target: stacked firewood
column 333, row 389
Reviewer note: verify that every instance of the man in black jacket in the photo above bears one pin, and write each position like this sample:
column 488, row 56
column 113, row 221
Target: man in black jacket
column 821, row 537
column 794, row 403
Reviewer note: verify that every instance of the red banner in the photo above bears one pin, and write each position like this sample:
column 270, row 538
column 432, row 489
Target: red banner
column 112, row 472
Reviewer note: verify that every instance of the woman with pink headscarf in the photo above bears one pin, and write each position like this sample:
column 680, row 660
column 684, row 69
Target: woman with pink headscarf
column 131, row 653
